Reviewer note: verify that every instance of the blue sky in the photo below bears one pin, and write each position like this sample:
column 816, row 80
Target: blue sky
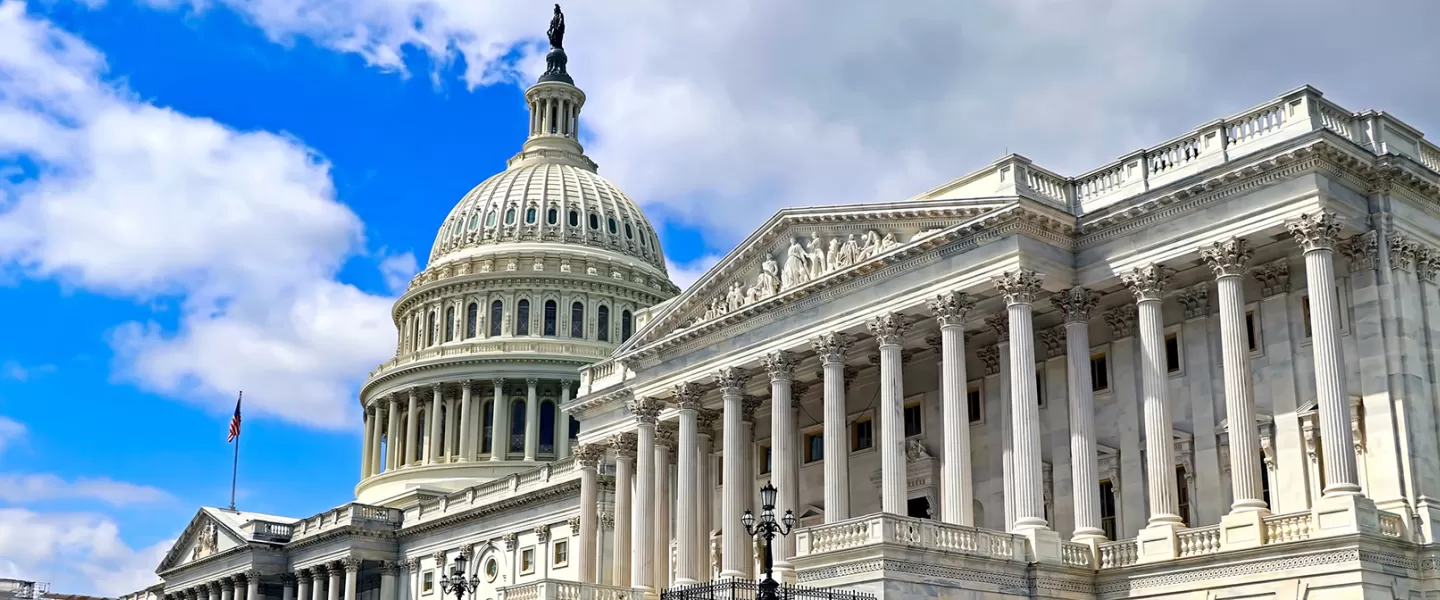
column 198, row 198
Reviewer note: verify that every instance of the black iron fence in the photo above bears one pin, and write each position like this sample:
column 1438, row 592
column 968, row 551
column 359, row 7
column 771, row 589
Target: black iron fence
column 732, row 589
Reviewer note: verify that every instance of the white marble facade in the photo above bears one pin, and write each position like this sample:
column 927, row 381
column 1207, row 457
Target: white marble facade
column 1018, row 384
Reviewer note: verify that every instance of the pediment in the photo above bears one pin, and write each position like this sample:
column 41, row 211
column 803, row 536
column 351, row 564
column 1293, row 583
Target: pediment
column 798, row 251
column 204, row 537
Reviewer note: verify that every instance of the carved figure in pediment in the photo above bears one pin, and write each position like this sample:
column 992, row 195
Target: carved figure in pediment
column 768, row 281
column 815, row 255
column 832, row 253
column 736, row 297
column 208, row 541
column 888, row 242
column 849, row 253
column 870, row 246
column 796, row 272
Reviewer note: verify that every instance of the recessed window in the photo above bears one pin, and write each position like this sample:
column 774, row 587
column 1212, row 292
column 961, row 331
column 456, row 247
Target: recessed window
column 975, row 405
column 550, row 315
column 594, row 221
column 1099, row 373
column 719, row 471
column 430, row 329
column 455, row 228
column 862, row 434
column 1250, row 336
column 765, row 459
column 574, row 218
column 510, row 217
column 1172, row 353
column 1264, row 481
column 913, row 420
column 427, row 583
column 449, row 323
column 527, row 561
column 490, row 219
column 1182, row 494
column 472, row 314
column 627, row 324
column 497, row 317
column 602, row 323
column 552, row 217
column 474, row 221
column 1305, row 314
column 1040, row 386
column 561, row 553
column 814, row 447
column 612, row 225
column 577, row 320
column 522, row 318
column 629, row 233
column 529, row 215
column 1107, row 508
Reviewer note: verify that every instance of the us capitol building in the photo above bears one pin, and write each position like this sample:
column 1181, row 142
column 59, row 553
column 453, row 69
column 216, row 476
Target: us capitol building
column 1205, row 370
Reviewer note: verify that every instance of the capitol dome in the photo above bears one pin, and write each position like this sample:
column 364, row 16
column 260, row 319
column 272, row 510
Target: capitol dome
column 537, row 272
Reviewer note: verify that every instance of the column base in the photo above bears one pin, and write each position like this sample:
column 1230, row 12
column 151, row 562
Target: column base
column 1243, row 529
column 1342, row 515
column 1044, row 545
column 1429, row 511
column 1158, row 542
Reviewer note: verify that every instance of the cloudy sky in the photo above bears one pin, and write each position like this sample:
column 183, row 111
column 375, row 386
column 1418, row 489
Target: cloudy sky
column 199, row 197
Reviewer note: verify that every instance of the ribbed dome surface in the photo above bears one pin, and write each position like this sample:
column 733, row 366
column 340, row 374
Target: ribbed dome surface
column 548, row 202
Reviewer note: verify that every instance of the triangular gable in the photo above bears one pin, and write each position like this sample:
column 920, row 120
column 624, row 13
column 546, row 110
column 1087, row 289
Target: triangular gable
column 799, row 248
column 210, row 532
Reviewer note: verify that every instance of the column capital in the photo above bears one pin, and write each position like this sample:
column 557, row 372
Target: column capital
column 511, row 540
column 531, row 382
column 1402, row 251
column 1020, row 286
column 1000, row 323
column 437, row 387
column 588, row 455
column 351, row 564
column 705, row 420
column 1054, row 341
column 1361, row 250
column 646, row 409
column 731, row 379
column 935, row 341
column 1147, row 282
column 227, row 583
column 467, row 550
column 831, row 347
column 412, row 564
column 687, row 396
column 951, row 308
column 389, row 568
column 319, row 571
column 1274, row 277
column 1121, row 321
column 666, row 432
column 303, row 573
column 1195, row 300
column 1228, row 258
column 542, row 533
column 498, row 382
column 989, row 359
column 574, row 524
column 779, row 364
column 251, row 575
column 1427, row 264
column 1315, row 231
column 889, row 328
column 748, row 405
column 1076, row 303
column 624, row 445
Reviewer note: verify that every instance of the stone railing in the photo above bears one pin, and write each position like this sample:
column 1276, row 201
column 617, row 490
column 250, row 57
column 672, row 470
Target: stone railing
column 1291, row 527
column 543, row 476
column 1199, row 541
column 361, row 515
column 552, row 589
column 1114, row 555
column 596, row 350
column 270, row 531
column 1076, row 554
column 1391, row 524
column 892, row 529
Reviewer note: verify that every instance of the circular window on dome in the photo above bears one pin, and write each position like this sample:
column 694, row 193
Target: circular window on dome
column 490, row 219
column 474, row 221
column 492, row 570
column 612, row 225
column 510, row 217
column 629, row 233
column 529, row 215
column 574, row 218
column 594, row 221
column 552, row 216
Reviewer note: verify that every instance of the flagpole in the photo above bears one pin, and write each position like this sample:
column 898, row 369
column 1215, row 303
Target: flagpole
column 235, row 465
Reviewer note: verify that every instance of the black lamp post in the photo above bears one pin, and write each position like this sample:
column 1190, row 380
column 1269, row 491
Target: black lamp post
column 455, row 582
column 767, row 529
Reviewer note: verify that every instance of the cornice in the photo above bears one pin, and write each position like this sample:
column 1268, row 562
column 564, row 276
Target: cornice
column 347, row 531
column 561, row 489
column 461, row 285
column 509, row 360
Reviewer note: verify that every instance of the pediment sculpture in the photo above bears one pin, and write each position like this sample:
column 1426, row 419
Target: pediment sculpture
column 207, row 542
column 805, row 260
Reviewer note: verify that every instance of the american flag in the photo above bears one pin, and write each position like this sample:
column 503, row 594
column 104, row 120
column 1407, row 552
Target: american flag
column 235, row 423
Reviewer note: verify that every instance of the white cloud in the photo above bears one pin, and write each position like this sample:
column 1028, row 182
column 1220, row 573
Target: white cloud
column 22, row 488
column 18, row 372
column 398, row 269
column 12, row 432
column 719, row 113
column 685, row 274
column 77, row 553
column 143, row 202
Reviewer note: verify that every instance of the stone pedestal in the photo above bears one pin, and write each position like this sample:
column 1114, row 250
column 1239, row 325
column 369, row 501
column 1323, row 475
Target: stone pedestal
column 1342, row 515
column 1157, row 543
column 1045, row 546
column 1240, row 530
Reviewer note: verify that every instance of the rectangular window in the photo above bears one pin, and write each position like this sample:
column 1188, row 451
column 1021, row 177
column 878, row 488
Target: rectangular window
column 1107, row 508
column 719, row 471
column 1182, row 494
column 1040, row 386
column 975, row 405
column 913, row 424
column 1264, row 481
column 561, row 555
column 862, row 434
column 814, row 447
column 1305, row 314
column 1099, row 373
column 427, row 582
column 1250, row 331
column 527, row 561
column 1172, row 353
column 764, row 459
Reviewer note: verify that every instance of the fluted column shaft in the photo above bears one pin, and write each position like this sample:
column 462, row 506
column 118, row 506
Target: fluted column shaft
column 562, row 422
column 377, row 435
column 387, row 582
column 832, row 348
column 624, row 482
column 227, row 590
column 392, row 436
column 351, row 573
column 302, row 580
column 1229, row 260
column 588, row 457
column 434, row 422
column 784, row 463
column 532, row 420
column 333, row 590
column 956, row 486
column 1025, row 421
column 660, row 554
column 688, row 503
column 467, row 423
column 1077, row 303
column 367, row 445
column 889, row 329
column 1147, row 283
column 732, row 557
column 412, row 432
column 642, row 522
column 704, row 511
column 252, row 586
column 500, row 424
column 317, row 588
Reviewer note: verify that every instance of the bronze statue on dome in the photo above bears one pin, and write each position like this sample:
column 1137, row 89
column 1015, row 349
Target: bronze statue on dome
column 555, row 60
column 556, row 33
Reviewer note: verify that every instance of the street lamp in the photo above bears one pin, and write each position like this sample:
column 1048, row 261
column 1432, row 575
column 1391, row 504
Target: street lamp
column 455, row 582
column 767, row 529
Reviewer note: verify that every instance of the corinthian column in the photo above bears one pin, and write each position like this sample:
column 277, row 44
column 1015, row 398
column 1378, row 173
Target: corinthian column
column 1316, row 235
column 588, row 456
column 687, row 513
column 1229, row 260
column 393, row 450
column 367, row 446
column 1019, row 288
column 832, row 348
column 624, row 445
column 705, row 513
column 643, row 523
column 956, row 500
column 467, row 422
column 732, row 558
column 499, row 423
column 352, row 572
column 665, row 434
column 532, row 420
column 889, row 329
column 1077, row 303
column 1148, row 284
column 434, row 422
column 781, row 367
column 412, row 431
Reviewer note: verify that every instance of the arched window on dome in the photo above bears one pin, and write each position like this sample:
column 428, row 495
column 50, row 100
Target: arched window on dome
column 552, row 216
column 550, row 315
column 594, row 221
column 490, row 219
column 474, row 221
column 517, row 425
column 449, row 323
column 629, row 233
column 547, row 428
column 627, row 323
column 487, row 432
column 602, row 323
column 612, row 225
column 577, row 320
column 510, row 216
column 497, row 317
column 472, row 314
column 430, row 328
column 522, row 318
column 530, row 215
column 574, row 218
